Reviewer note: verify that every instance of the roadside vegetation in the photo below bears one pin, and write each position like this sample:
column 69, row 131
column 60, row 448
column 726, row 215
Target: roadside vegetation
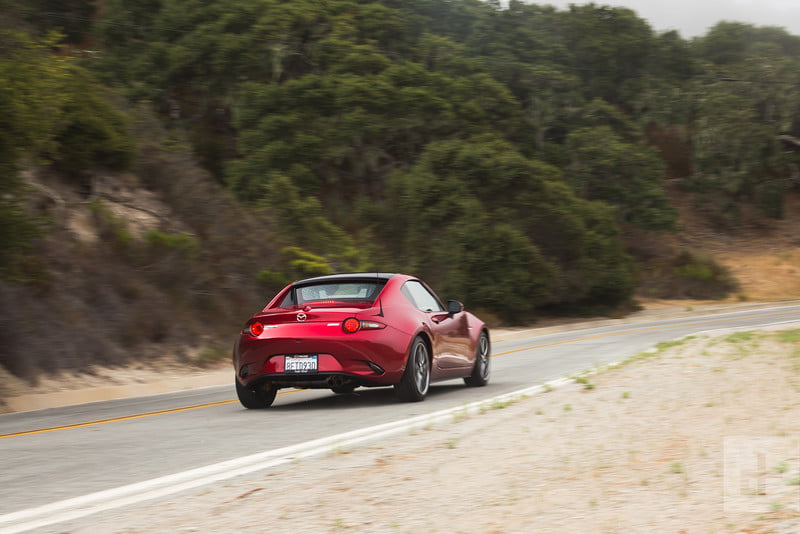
column 166, row 165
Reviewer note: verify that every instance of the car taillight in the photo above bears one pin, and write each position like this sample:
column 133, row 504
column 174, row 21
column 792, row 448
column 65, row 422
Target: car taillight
column 256, row 329
column 351, row 325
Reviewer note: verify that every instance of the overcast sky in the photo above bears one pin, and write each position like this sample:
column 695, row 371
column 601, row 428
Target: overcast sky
column 694, row 17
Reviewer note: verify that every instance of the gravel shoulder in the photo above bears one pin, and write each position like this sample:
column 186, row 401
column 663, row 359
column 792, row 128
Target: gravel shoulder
column 703, row 436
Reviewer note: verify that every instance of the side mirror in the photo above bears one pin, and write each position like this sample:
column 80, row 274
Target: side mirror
column 454, row 307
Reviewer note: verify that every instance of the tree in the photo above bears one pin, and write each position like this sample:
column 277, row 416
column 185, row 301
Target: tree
column 30, row 109
column 51, row 111
column 610, row 48
column 340, row 133
column 71, row 18
column 476, row 210
column 93, row 134
column 625, row 175
column 737, row 120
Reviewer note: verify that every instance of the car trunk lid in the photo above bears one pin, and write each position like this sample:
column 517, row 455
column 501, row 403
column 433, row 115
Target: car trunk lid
column 309, row 314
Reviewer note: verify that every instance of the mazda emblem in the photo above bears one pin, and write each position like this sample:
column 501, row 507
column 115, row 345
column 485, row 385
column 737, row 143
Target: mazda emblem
column 301, row 316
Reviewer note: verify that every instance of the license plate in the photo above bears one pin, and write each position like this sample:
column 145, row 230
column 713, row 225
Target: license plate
column 300, row 364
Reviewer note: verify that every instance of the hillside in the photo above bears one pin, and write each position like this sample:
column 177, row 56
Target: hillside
column 163, row 169
column 764, row 260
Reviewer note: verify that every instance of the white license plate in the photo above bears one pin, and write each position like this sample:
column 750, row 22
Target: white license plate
column 300, row 364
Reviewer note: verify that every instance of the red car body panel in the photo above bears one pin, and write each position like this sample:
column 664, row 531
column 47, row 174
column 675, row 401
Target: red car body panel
column 368, row 357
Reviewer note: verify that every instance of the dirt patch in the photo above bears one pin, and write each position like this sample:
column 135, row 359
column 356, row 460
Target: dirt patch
column 704, row 437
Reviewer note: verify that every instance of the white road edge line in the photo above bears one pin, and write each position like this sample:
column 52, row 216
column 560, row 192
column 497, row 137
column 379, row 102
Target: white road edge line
column 78, row 507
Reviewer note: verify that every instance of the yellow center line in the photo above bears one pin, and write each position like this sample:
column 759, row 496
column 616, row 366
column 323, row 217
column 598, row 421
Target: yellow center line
column 220, row 403
column 129, row 417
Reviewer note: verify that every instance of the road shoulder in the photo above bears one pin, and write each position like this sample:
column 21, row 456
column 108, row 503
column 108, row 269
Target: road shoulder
column 703, row 436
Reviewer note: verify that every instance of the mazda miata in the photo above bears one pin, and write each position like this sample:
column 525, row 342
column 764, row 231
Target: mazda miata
column 345, row 331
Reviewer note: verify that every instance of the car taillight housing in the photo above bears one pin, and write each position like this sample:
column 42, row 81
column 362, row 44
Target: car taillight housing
column 353, row 325
column 256, row 329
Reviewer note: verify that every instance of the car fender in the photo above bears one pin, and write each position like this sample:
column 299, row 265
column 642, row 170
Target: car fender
column 425, row 333
column 476, row 327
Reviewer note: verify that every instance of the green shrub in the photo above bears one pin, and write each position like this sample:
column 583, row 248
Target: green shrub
column 272, row 281
column 304, row 264
column 93, row 133
column 17, row 232
column 112, row 229
column 694, row 271
column 184, row 244
column 300, row 263
column 688, row 274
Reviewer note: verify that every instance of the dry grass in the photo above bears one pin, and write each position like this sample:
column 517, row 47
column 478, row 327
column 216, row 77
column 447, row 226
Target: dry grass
column 763, row 255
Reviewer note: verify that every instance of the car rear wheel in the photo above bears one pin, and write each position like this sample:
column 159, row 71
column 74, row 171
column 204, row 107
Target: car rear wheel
column 417, row 377
column 257, row 397
column 480, row 372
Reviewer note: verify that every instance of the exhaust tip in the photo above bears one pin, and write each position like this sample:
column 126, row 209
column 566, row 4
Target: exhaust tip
column 336, row 381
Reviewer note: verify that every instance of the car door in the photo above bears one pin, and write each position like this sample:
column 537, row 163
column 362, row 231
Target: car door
column 448, row 332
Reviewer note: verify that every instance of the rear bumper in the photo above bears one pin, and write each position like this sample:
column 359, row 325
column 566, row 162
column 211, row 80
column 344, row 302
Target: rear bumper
column 364, row 358
column 316, row 381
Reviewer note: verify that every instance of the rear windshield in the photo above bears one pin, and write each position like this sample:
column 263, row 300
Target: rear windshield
column 334, row 293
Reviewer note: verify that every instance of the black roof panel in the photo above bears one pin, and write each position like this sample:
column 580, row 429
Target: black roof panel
column 346, row 276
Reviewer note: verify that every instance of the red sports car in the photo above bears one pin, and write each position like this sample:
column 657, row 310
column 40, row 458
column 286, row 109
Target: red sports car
column 343, row 331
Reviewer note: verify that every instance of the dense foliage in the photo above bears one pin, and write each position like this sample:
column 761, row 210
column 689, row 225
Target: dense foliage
column 511, row 154
column 51, row 111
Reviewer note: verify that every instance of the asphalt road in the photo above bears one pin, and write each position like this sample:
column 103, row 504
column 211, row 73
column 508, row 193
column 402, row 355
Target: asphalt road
column 116, row 443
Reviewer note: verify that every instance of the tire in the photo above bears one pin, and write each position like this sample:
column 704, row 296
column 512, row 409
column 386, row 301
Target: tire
column 417, row 377
column 480, row 372
column 256, row 398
